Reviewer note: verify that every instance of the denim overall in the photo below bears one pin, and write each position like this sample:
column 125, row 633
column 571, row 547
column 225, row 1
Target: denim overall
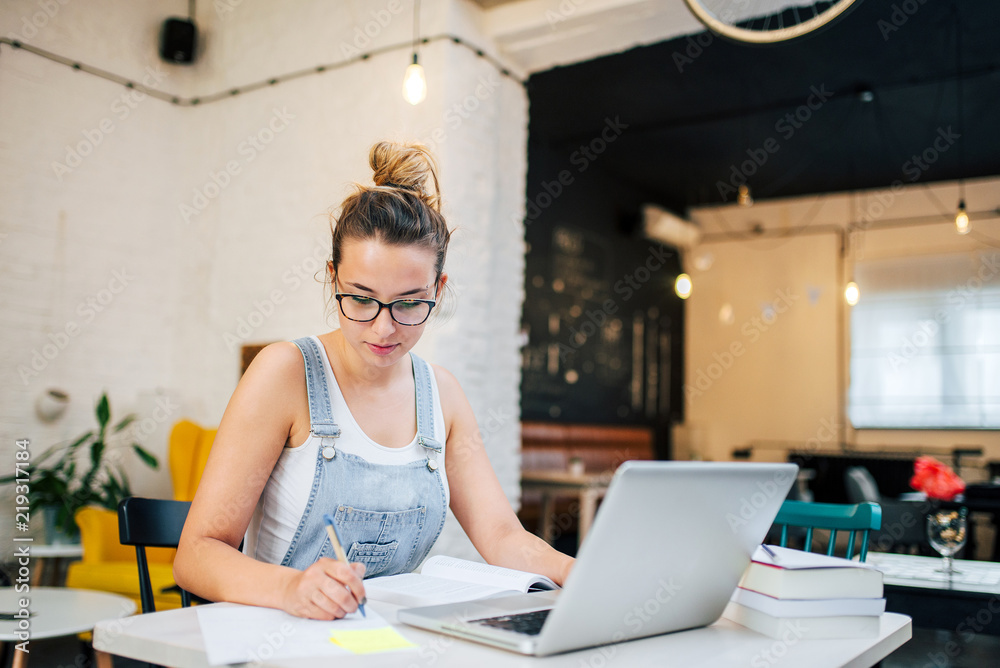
column 388, row 516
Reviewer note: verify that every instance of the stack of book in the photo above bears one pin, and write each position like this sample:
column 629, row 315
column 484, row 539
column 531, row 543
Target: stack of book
column 795, row 594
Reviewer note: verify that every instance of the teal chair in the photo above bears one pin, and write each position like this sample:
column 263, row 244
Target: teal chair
column 857, row 519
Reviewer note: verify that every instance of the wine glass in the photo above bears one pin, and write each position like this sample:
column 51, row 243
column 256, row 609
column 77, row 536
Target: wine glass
column 946, row 533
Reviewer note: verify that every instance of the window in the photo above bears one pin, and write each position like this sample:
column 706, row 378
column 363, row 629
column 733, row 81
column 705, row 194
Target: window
column 925, row 343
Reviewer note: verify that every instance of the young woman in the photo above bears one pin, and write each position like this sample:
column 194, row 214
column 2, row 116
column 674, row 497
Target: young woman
column 352, row 424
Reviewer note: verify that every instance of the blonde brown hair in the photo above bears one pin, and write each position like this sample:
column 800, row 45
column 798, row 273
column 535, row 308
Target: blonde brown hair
column 402, row 208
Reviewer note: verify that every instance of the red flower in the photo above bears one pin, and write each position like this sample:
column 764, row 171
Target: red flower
column 935, row 479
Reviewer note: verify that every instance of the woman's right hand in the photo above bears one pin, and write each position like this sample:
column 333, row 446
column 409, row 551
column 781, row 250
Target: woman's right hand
column 328, row 589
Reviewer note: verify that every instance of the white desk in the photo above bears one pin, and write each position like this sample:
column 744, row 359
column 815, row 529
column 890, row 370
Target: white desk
column 57, row 611
column 933, row 600
column 173, row 638
column 906, row 570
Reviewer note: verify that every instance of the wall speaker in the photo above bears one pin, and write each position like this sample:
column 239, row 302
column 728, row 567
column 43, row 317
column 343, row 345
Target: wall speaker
column 178, row 39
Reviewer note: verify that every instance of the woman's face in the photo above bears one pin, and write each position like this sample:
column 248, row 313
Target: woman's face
column 370, row 268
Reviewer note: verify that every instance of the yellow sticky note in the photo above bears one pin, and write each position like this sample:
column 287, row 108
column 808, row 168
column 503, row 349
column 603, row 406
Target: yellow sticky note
column 368, row 641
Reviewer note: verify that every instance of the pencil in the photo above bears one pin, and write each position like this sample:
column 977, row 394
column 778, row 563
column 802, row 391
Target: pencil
column 774, row 557
column 338, row 549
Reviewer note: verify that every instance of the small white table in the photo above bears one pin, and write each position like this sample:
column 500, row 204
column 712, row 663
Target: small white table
column 173, row 638
column 57, row 553
column 57, row 611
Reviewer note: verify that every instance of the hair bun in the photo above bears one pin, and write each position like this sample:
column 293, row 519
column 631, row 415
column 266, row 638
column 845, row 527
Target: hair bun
column 408, row 167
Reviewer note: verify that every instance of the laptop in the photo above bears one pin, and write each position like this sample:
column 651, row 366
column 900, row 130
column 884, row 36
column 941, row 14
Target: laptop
column 666, row 551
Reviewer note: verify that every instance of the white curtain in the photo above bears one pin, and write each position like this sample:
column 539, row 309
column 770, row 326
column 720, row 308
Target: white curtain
column 925, row 343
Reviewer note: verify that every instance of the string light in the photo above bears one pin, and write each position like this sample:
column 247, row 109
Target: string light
column 961, row 215
column 682, row 286
column 242, row 89
column 962, row 225
column 852, row 293
column 414, row 82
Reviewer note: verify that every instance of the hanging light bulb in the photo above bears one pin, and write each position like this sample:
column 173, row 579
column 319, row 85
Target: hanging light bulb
column 852, row 293
column 962, row 225
column 743, row 197
column 414, row 84
column 682, row 286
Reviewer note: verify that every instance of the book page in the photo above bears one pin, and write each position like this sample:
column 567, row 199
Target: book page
column 790, row 559
column 494, row 576
column 416, row 589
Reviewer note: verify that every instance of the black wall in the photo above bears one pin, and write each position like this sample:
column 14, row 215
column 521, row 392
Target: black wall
column 605, row 329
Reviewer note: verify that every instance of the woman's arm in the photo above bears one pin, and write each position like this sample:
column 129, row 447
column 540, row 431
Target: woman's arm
column 253, row 432
column 478, row 500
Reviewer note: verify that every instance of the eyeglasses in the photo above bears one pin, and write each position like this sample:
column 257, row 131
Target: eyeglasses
column 409, row 312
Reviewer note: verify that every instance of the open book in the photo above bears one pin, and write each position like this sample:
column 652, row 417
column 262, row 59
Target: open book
column 449, row 580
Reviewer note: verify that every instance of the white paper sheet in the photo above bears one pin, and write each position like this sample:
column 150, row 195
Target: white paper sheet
column 243, row 633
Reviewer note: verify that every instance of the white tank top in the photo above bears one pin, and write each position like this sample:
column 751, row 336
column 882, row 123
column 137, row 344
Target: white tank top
column 286, row 492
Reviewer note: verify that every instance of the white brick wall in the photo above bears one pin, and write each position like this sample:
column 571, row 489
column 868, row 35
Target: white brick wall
column 249, row 255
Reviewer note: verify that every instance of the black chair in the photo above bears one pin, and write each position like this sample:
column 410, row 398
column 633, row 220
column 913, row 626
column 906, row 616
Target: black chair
column 151, row 523
column 903, row 522
column 6, row 648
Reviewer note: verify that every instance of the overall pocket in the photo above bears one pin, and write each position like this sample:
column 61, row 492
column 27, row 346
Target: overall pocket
column 382, row 541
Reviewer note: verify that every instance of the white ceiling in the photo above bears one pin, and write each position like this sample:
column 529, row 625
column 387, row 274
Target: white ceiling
column 537, row 35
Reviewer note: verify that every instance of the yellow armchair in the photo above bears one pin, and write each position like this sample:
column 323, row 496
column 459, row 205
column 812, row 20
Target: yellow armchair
column 187, row 454
column 107, row 565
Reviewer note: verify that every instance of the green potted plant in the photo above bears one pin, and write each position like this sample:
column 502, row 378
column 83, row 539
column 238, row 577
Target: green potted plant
column 60, row 485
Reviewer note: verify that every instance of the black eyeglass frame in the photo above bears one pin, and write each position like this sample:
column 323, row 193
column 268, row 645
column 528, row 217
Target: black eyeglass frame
column 339, row 296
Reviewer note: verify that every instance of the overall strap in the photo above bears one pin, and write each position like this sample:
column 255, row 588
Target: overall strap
column 425, row 411
column 321, row 422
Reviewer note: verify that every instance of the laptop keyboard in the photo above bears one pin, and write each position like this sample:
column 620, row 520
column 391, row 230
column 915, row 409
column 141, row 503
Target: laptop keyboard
column 528, row 623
